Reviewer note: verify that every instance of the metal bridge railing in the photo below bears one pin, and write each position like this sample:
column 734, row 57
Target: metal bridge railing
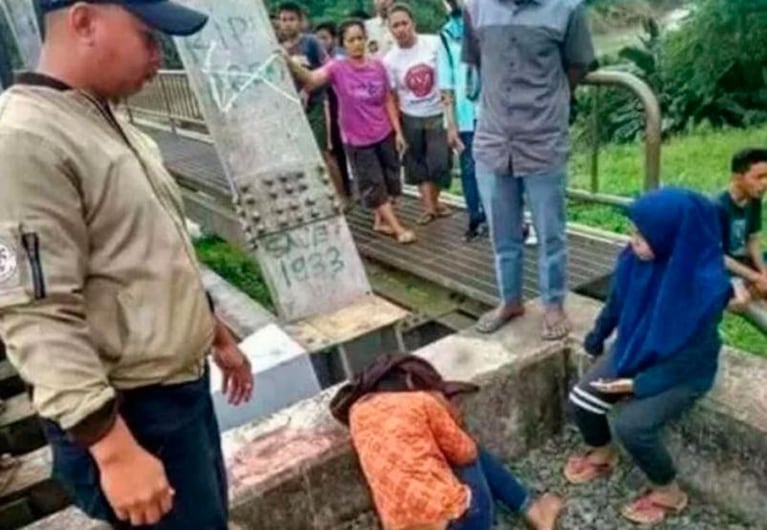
column 169, row 98
column 652, row 141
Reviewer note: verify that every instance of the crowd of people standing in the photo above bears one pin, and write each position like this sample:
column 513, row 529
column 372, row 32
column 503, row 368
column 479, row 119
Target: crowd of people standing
column 408, row 103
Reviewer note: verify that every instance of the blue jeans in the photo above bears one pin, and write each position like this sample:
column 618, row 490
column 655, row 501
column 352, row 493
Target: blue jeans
column 503, row 197
column 177, row 425
column 469, row 181
column 490, row 483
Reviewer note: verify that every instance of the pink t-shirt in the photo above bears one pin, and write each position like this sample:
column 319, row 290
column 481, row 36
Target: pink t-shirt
column 361, row 91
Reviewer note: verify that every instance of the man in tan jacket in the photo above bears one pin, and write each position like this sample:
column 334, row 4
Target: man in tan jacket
column 102, row 308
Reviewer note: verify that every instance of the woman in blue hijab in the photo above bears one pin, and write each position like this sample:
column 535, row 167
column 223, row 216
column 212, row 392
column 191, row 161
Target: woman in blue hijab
column 669, row 292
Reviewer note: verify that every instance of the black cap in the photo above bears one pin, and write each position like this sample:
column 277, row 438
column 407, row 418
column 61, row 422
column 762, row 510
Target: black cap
column 163, row 15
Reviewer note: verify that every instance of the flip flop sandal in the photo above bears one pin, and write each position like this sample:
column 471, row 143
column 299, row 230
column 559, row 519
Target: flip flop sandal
column 426, row 218
column 549, row 331
column 647, row 511
column 581, row 470
column 406, row 237
column 491, row 322
column 384, row 230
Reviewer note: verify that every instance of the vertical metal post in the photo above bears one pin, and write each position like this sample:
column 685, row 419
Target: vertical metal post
column 6, row 69
column 22, row 19
column 166, row 102
column 129, row 110
column 594, row 140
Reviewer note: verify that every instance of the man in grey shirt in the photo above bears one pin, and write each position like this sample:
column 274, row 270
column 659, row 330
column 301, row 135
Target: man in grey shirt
column 531, row 54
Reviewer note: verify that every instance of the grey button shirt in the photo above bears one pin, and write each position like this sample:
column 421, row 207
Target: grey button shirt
column 523, row 49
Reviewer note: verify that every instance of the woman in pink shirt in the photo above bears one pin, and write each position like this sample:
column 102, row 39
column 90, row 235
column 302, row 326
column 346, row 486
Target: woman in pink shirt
column 370, row 127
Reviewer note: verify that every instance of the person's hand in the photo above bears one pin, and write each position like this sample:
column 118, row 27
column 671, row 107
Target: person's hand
column 454, row 140
column 234, row 365
column 761, row 284
column 133, row 480
column 402, row 146
column 236, row 371
column 593, row 345
column 741, row 296
column 614, row 386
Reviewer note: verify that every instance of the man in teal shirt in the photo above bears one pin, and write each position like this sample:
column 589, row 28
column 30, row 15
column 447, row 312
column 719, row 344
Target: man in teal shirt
column 459, row 84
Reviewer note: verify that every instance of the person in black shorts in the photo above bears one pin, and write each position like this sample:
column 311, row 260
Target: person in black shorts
column 412, row 68
column 369, row 123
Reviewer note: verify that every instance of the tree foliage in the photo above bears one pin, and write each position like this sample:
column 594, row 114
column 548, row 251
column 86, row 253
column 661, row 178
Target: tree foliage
column 429, row 14
column 712, row 71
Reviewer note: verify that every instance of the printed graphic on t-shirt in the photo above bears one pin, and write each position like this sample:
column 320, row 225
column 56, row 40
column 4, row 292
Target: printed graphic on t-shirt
column 366, row 90
column 738, row 237
column 420, row 80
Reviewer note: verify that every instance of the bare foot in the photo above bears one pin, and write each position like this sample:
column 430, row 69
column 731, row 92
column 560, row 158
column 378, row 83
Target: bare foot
column 493, row 320
column 543, row 513
column 556, row 325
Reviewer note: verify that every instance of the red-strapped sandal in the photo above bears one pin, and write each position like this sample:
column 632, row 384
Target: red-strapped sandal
column 648, row 510
column 580, row 469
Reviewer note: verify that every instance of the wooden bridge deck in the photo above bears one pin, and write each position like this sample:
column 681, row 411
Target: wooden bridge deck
column 440, row 255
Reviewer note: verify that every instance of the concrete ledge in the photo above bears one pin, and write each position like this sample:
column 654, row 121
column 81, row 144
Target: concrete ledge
column 720, row 448
column 297, row 471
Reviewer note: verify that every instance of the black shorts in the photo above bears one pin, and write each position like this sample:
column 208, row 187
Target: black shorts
column 428, row 156
column 376, row 170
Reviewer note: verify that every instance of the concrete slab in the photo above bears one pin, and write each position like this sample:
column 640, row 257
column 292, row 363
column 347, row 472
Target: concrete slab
column 239, row 311
column 274, row 358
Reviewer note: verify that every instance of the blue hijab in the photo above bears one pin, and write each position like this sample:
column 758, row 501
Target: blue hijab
column 666, row 301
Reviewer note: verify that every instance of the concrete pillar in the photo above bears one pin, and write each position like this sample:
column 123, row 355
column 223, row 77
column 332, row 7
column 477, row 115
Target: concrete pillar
column 288, row 208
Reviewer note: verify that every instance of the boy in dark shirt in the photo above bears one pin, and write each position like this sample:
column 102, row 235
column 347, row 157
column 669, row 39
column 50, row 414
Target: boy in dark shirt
column 741, row 211
column 310, row 53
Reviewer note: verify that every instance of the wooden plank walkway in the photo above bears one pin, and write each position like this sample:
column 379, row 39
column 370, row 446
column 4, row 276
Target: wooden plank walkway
column 440, row 255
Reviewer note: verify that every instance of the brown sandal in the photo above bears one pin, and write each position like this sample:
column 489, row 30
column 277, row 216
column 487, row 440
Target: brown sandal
column 580, row 470
column 426, row 218
column 647, row 510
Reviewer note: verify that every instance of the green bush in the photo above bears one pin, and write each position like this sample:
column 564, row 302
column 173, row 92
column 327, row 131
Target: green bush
column 711, row 72
column 236, row 267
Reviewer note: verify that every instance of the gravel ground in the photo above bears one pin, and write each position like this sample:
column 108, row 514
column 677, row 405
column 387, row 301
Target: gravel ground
column 593, row 506
column 596, row 506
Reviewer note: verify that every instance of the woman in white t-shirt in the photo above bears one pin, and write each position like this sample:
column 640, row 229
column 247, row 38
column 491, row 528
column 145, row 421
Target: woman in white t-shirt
column 412, row 67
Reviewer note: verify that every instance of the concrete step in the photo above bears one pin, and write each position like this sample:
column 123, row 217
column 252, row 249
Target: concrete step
column 10, row 382
column 27, row 491
column 20, row 430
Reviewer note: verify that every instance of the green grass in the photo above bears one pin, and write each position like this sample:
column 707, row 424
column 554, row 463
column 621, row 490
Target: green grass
column 699, row 161
column 742, row 335
column 237, row 267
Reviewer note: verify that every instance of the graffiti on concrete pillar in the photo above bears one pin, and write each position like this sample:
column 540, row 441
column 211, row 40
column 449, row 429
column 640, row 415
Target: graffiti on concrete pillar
column 307, row 254
column 228, row 80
